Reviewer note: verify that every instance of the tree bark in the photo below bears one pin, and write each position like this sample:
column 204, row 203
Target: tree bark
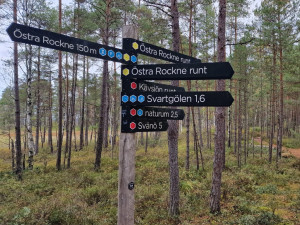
column 173, row 126
column 30, row 142
column 38, row 102
column 219, row 162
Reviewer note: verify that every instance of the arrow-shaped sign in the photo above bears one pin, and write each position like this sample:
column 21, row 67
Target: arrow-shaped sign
column 198, row 71
column 137, row 85
column 205, row 98
column 152, row 113
column 48, row 39
column 157, row 52
column 142, row 125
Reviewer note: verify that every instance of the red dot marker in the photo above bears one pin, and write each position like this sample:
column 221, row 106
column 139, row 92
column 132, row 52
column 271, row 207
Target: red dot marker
column 133, row 112
column 133, row 85
column 132, row 125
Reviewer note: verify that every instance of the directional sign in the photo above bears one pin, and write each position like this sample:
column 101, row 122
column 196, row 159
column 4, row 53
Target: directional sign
column 157, row 52
column 136, row 85
column 142, row 125
column 152, row 113
column 44, row 38
column 206, row 98
column 198, row 71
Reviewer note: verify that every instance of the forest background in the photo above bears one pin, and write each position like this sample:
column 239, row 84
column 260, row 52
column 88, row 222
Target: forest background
column 62, row 182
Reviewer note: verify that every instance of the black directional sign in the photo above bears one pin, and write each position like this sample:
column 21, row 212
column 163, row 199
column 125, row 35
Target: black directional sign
column 143, row 125
column 205, row 98
column 44, row 38
column 137, row 85
column 198, row 71
column 157, row 52
column 152, row 113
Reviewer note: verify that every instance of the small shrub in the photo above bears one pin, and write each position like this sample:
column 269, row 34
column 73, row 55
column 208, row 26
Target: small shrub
column 268, row 189
column 267, row 218
column 22, row 216
column 94, row 195
column 57, row 216
column 247, row 220
column 296, row 164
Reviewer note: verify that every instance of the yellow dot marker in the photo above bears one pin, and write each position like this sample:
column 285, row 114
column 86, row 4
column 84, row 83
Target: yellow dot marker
column 125, row 72
column 135, row 45
column 126, row 57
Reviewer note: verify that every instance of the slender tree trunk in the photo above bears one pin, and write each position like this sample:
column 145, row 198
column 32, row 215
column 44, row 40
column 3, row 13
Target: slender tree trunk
column 82, row 108
column 215, row 196
column 272, row 106
column 60, row 107
column 50, row 142
column 103, row 107
column 87, row 122
column 281, row 106
column 38, row 102
column 67, row 112
column 30, row 141
column 173, row 126
column 72, row 110
column 12, row 155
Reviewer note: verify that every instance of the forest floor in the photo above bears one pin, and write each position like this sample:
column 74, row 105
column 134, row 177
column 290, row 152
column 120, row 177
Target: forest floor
column 286, row 151
column 257, row 193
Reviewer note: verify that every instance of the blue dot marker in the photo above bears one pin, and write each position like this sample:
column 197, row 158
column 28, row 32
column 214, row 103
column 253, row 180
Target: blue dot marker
column 111, row 53
column 133, row 98
column 119, row 55
column 102, row 51
column 140, row 112
column 125, row 98
column 141, row 98
column 133, row 59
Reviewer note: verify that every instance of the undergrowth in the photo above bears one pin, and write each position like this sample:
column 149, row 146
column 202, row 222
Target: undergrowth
column 257, row 193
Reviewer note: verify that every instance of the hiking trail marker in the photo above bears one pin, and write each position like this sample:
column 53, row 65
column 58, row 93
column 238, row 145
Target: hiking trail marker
column 48, row 39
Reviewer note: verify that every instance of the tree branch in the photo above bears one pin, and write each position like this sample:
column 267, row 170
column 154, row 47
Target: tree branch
column 157, row 4
column 157, row 7
column 243, row 43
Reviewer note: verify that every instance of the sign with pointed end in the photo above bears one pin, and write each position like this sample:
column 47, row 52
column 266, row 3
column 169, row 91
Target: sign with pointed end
column 152, row 113
column 157, row 52
column 48, row 39
column 143, row 125
column 205, row 98
column 138, row 85
column 197, row 71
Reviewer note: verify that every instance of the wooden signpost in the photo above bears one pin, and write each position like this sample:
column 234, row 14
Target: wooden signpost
column 137, row 93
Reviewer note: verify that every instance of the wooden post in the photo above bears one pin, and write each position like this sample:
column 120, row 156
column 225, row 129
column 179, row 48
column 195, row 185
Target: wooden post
column 127, row 163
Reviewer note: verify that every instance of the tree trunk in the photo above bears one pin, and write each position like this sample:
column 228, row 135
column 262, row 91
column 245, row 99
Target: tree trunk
column 87, row 122
column 72, row 109
column 50, row 142
column 60, row 107
column 30, row 142
column 173, row 126
column 38, row 102
column 219, row 162
column 103, row 107
column 82, row 108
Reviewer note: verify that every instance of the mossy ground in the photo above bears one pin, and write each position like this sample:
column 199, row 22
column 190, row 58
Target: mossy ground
column 258, row 193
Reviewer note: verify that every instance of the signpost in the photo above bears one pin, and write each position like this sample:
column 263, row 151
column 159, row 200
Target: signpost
column 205, row 98
column 137, row 85
column 195, row 71
column 157, row 52
column 48, row 39
column 136, row 93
